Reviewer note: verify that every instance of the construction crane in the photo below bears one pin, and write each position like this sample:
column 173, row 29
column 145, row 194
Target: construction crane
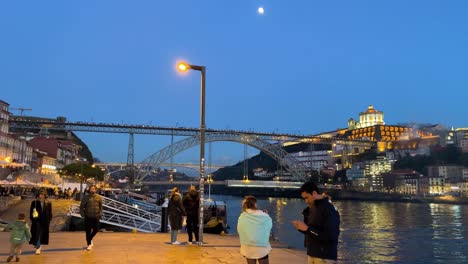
column 21, row 109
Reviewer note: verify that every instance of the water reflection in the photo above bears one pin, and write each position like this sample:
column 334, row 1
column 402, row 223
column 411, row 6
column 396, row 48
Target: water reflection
column 377, row 232
column 447, row 235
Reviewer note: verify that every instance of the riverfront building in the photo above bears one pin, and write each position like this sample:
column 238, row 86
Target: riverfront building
column 14, row 150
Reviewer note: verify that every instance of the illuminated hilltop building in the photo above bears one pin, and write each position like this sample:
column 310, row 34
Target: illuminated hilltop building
column 372, row 127
column 370, row 117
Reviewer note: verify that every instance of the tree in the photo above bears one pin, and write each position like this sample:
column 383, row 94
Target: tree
column 82, row 172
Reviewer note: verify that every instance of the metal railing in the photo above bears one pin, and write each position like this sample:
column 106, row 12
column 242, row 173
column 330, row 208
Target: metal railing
column 122, row 220
column 143, row 205
column 129, row 210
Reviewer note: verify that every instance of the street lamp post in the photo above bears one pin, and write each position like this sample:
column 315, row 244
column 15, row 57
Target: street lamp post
column 202, row 69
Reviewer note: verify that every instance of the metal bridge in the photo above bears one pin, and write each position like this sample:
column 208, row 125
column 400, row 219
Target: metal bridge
column 259, row 140
column 138, row 165
column 22, row 122
column 296, row 168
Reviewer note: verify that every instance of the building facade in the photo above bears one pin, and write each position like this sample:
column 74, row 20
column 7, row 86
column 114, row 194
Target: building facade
column 432, row 185
column 315, row 160
column 451, row 173
column 374, row 170
column 14, row 150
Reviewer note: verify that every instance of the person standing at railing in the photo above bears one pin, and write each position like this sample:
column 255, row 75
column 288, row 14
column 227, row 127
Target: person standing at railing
column 40, row 214
column 91, row 210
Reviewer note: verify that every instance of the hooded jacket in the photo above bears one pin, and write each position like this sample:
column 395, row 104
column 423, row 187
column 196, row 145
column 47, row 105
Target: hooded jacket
column 19, row 232
column 254, row 228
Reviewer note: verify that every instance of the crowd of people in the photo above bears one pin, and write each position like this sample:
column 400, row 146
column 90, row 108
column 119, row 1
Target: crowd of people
column 320, row 224
column 56, row 192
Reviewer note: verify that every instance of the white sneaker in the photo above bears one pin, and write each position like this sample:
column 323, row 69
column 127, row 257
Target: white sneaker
column 176, row 243
column 90, row 247
column 38, row 251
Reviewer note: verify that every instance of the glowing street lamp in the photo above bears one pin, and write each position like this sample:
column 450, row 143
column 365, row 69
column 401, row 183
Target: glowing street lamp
column 183, row 67
column 210, row 181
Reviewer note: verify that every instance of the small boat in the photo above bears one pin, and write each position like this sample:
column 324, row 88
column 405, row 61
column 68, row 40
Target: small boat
column 214, row 217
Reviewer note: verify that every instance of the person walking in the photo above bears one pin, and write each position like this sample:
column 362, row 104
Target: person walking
column 254, row 227
column 91, row 210
column 40, row 214
column 321, row 225
column 191, row 203
column 19, row 235
column 176, row 213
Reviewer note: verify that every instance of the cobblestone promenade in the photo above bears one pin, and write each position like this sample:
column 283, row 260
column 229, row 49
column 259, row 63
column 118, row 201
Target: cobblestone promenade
column 68, row 247
column 116, row 247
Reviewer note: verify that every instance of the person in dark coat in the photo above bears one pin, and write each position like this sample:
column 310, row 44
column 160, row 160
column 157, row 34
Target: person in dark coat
column 176, row 213
column 40, row 214
column 91, row 210
column 191, row 203
column 321, row 225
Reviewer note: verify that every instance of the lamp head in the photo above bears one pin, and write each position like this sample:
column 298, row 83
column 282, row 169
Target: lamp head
column 183, row 67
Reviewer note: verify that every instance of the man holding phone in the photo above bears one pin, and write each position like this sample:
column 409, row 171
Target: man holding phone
column 321, row 225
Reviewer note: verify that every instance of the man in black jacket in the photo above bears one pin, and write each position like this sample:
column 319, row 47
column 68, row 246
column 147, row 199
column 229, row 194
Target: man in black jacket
column 321, row 225
column 191, row 203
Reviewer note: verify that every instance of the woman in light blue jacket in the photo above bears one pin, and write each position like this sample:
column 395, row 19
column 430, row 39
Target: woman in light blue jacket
column 254, row 228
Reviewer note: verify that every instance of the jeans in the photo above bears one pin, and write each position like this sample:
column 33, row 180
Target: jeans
column 38, row 242
column 91, row 228
column 174, row 235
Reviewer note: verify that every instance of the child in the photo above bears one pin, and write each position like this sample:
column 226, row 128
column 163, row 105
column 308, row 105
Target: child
column 19, row 235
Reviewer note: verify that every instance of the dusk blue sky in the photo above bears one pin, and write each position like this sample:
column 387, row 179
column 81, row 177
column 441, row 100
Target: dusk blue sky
column 302, row 67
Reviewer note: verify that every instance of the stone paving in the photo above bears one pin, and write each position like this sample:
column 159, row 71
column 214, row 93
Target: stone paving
column 116, row 247
column 59, row 212
column 121, row 247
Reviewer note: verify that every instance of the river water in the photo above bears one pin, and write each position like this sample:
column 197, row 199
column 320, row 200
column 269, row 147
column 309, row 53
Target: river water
column 376, row 232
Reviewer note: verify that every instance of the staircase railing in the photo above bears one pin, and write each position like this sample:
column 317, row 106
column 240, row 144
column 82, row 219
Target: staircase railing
column 121, row 220
column 130, row 210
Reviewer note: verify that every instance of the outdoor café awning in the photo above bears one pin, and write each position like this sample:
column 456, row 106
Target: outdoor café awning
column 17, row 165
column 17, row 182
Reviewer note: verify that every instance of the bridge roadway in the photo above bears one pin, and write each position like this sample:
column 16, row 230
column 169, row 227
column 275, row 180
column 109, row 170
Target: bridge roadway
column 187, row 165
column 241, row 184
column 25, row 122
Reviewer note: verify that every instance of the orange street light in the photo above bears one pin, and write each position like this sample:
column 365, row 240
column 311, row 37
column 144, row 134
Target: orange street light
column 182, row 66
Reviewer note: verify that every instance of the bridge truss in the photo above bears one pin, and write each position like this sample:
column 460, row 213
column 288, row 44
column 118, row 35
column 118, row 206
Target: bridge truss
column 292, row 165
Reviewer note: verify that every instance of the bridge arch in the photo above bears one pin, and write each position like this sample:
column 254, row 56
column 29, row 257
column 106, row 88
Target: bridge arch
column 291, row 164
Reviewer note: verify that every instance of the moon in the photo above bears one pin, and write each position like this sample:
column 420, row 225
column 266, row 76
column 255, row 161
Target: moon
column 260, row 10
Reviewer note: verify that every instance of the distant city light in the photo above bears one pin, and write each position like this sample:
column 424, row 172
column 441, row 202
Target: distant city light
column 261, row 10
